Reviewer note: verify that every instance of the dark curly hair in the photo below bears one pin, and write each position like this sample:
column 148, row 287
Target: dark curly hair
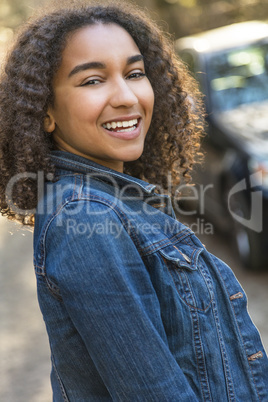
column 26, row 93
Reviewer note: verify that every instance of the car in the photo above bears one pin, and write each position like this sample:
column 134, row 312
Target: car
column 231, row 66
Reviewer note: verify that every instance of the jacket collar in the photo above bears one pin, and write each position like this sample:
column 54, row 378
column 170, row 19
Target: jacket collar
column 66, row 161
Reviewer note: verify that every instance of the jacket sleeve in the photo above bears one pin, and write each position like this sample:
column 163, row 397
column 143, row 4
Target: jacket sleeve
column 110, row 298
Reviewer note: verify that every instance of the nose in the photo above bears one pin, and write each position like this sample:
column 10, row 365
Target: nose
column 122, row 95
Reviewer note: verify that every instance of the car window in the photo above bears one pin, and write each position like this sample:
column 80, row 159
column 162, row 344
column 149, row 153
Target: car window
column 239, row 76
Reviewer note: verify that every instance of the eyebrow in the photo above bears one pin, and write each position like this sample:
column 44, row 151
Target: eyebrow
column 99, row 65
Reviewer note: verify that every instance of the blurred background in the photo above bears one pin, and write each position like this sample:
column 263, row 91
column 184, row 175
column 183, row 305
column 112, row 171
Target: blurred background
column 182, row 17
column 236, row 232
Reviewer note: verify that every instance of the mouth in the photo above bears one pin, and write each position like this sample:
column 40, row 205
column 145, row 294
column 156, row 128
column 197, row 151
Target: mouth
column 123, row 126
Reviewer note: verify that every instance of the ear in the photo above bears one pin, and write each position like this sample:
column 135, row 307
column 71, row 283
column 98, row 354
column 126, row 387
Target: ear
column 49, row 122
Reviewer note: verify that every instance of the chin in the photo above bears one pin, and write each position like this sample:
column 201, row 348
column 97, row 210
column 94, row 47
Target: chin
column 132, row 156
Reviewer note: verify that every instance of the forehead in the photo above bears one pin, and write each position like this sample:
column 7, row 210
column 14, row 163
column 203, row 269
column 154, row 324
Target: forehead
column 99, row 40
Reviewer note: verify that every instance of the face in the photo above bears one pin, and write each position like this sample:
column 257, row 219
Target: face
column 103, row 100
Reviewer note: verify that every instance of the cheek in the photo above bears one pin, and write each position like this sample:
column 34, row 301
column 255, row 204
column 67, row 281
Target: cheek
column 146, row 97
column 149, row 101
column 150, row 97
column 77, row 105
column 88, row 108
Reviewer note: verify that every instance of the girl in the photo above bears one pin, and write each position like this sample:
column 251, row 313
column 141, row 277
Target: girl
column 93, row 103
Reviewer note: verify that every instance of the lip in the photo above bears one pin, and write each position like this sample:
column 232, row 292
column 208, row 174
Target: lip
column 128, row 135
column 124, row 118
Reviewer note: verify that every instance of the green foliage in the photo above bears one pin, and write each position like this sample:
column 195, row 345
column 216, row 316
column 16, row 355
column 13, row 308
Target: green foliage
column 183, row 17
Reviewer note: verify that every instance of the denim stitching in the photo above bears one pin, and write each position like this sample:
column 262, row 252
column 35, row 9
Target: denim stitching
column 189, row 294
column 46, row 226
column 66, row 399
column 74, row 187
column 81, row 186
column 230, row 385
column 53, row 289
column 122, row 216
column 47, row 223
column 189, row 305
column 203, row 273
column 222, row 346
column 202, row 355
column 148, row 187
column 174, row 239
column 179, row 251
column 69, row 201
column 143, row 251
column 195, row 307
column 242, row 339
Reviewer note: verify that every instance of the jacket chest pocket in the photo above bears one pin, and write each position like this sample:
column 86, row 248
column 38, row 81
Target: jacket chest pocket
column 191, row 278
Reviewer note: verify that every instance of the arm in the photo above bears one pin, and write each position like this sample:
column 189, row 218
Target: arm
column 108, row 293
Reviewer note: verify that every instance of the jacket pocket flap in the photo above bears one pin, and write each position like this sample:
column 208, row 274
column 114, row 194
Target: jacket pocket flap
column 187, row 257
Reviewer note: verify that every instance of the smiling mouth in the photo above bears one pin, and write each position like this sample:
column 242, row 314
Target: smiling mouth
column 121, row 126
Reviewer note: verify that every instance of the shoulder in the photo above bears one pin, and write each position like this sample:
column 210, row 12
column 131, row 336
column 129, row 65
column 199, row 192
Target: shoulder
column 74, row 193
column 73, row 206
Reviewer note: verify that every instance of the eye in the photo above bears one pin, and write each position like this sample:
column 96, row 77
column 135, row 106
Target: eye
column 94, row 81
column 136, row 75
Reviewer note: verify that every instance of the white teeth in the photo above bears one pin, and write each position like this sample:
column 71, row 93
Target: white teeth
column 126, row 129
column 115, row 124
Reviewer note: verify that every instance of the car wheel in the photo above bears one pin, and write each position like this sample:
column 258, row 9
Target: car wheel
column 247, row 242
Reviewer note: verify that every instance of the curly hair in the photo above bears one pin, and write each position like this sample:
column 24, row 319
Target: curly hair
column 26, row 92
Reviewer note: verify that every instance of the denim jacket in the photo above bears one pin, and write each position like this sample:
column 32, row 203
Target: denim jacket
column 135, row 307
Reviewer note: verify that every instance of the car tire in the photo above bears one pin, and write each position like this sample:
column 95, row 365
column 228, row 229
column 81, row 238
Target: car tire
column 247, row 242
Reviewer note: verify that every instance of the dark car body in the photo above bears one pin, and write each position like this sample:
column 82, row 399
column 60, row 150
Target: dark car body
column 231, row 65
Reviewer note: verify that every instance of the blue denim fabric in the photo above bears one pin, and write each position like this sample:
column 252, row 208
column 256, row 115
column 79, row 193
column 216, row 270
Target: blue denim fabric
column 136, row 308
